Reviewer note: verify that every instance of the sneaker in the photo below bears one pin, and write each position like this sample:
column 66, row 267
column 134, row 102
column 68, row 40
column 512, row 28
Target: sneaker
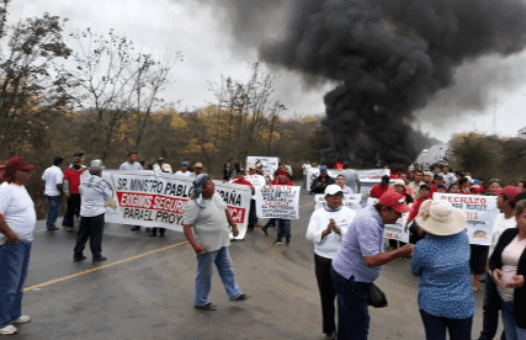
column 53, row 228
column 265, row 230
column 241, row 297
column 22, row 319
column 331, row 336
column 99, row 259
column 288, row 244
column 208, row 306
column 69, row 228
column 135, row 228
column 9, row 329
column 79, row 258
column 278, row 242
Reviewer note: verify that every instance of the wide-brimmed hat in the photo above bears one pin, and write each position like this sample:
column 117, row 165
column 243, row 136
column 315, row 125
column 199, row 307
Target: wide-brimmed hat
column 440, row 218
column 198, row 165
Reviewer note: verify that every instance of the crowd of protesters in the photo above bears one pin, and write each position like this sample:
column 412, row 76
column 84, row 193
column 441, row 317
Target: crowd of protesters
column 348, row 246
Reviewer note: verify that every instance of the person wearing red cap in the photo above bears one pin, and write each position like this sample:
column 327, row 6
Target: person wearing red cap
column 359, row 259
column 17, row 225
column 506, row 201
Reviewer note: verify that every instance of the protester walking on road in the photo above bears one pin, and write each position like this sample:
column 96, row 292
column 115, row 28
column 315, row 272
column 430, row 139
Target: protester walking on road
column 94, row 192
column 441, row 259
column 131, row 164
column 54, row 179
column 205, row 222
column 358, row 260
column 327, row 227
column 508, row 264
column 17, row 225
column 282, row 178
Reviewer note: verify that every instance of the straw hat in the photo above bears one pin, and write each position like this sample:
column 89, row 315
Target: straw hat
column 440, row 218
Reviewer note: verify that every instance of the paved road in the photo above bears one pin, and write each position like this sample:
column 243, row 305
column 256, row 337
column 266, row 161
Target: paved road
column 145, row 290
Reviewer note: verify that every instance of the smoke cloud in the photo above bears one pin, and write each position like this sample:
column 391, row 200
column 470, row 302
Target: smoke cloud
column 389, row 58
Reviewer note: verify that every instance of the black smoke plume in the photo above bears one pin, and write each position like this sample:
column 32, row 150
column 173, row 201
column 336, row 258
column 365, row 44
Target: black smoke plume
column 388, row 57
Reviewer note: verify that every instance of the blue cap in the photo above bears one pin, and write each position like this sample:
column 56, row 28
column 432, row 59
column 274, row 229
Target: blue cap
column 184, row 163
column 323, row 168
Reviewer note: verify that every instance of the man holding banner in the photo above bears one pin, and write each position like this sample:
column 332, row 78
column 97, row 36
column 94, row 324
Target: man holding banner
column 206, row 216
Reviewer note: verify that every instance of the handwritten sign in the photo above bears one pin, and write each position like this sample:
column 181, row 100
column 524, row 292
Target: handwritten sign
column 480, row 212
column 278, row 201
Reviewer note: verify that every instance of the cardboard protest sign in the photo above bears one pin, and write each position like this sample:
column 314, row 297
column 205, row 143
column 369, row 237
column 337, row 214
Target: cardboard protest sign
column 396, row 231
column 153, row 199
column 480, row 211
column 278, row 201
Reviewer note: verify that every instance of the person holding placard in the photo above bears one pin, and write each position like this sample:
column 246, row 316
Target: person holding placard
column 283, row 224
column 327, row 227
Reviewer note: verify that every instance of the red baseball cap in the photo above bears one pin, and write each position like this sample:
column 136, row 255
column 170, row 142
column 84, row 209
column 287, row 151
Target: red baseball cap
column 282, row 171
column 2, row 166
column 477, row 188
column 394, row 200
column 13, row 165
column 510, row 192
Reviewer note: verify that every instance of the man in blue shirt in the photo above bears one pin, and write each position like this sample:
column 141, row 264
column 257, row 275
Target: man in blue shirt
column 358, row 260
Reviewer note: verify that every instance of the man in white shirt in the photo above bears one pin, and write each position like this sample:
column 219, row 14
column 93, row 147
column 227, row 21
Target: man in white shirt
column 305, row 168
column 94, row 192
column 508, row 196
column 184, row 170
column 131, row 163
column 256, row 181
column 158, row 166
column 54, row 178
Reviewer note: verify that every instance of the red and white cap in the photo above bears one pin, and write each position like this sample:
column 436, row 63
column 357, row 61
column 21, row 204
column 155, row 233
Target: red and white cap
column 394, row 200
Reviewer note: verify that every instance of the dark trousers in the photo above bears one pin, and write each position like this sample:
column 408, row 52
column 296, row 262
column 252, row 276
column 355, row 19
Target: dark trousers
column 161, row 231
column 435, row 326
column 327, row 292
column 492, row 303
column 353, row 313
column 252, row 217
column 72, row 210
column 283, row 230
column 90, row 227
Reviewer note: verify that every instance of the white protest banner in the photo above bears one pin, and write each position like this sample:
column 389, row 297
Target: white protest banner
column 151, row 199
column 351, row 201
column 480, row 211
column 269, row 165
column 369, row 177
column 396, row 231
column 278, row 201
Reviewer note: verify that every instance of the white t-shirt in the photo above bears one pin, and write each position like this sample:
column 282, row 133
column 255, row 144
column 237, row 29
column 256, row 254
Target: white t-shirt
column 319, row 220
column 126, row 166
column 186, row 173
column 53, row 176
column 18, row 211
column 210, row 224
column 501, row 223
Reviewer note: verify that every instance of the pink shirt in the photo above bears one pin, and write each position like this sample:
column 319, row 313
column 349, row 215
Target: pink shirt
column 510, row 261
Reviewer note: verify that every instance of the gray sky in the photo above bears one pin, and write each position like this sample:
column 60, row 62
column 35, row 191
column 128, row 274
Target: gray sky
column 482, row 87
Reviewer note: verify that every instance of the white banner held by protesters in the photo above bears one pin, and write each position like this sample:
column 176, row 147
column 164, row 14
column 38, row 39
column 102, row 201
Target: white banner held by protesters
column 152, row 199
column 351, row 201
column 480, row 211
column 278, row 201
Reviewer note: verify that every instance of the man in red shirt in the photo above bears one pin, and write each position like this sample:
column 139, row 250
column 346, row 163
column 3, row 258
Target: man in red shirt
column 379, row 189
column 71, row 189
column 240, row 179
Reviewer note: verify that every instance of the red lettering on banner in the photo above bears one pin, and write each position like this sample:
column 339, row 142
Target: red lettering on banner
column 237, row 213
column 155, row 202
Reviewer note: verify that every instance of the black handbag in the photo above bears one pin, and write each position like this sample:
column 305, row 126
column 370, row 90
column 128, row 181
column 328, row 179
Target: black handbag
column 377, row 298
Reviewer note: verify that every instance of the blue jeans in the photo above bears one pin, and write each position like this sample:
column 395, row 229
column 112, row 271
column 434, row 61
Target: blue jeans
column 513, row 332
column 14, row 261
column 283, row 229
column 54, row 206
column 435, row 326
column 203, row 277
column 353, row 313
column 492, row 302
